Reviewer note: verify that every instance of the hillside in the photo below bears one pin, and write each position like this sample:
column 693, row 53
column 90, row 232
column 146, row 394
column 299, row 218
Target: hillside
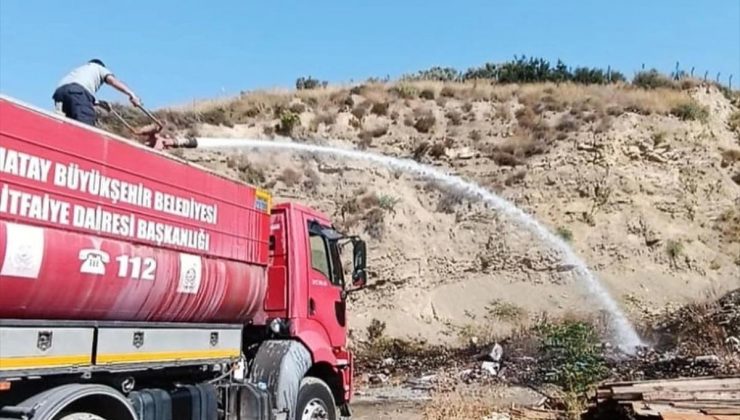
column 644, row 184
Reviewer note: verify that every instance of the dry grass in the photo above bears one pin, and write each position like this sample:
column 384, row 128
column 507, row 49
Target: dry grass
column 539, row 98
column 424, row 120
column 728, row 223
column 379, row 108
column 462, row 404
column 325, row 118
column 730, row 157
column 454, row 116
column 734, row 123
column 521, row 146
column 290, row 177
column 655, row 101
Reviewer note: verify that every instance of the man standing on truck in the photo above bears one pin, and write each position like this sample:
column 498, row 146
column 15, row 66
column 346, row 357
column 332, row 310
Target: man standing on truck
column 75, row 94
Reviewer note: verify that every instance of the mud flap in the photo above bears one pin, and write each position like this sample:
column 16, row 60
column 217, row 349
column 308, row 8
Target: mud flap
column 279, row 367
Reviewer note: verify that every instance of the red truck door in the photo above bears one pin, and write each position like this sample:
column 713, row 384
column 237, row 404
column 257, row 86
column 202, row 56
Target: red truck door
column 325, row 285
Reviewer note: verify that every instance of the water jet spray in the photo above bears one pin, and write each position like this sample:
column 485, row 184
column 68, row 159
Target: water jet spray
column 624, row 332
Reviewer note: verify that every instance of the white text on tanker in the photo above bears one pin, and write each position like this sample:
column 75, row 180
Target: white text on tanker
column 72, row 177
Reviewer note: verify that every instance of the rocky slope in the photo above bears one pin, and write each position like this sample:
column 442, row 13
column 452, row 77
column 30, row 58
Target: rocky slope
column 644, row 185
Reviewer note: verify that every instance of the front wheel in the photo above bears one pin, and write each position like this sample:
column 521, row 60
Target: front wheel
column 315, row 401
column 81, row 416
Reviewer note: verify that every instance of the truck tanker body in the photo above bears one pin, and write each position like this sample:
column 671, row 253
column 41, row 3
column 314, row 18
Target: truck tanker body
column 136, row 286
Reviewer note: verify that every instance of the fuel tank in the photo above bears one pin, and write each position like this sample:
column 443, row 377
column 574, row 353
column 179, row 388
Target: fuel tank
column 95, row 227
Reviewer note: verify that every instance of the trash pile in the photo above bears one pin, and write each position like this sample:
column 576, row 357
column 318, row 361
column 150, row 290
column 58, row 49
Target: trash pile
column 691, row 341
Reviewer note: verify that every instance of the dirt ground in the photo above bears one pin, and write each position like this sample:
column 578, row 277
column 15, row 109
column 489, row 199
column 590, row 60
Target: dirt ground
column 409, row 410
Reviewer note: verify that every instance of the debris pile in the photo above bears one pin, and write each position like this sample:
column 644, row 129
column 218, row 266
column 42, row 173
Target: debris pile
column 710, row 396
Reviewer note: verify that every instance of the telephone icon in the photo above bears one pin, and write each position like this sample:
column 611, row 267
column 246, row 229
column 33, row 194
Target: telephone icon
column 93, row 261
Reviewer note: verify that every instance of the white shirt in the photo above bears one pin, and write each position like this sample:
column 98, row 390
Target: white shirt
column 90, row 76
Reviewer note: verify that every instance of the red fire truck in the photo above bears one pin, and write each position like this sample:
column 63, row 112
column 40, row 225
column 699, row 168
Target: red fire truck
column 136, row 286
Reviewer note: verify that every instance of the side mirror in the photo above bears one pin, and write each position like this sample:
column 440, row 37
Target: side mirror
column 359, row 263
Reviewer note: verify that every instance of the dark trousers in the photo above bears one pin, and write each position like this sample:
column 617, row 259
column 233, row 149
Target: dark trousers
column 77, row 103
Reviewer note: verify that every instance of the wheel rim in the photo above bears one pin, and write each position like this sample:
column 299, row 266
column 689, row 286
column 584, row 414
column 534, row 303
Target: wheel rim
column 315, row 410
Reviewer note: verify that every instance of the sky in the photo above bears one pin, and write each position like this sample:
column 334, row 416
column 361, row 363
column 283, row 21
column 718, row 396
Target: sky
column 176, row 51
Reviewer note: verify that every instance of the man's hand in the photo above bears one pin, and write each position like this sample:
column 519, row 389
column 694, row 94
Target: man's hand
column 135, row 101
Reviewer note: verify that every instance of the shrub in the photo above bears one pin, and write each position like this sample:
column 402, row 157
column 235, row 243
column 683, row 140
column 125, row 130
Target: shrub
column 467, row 106
column 425, row 121
column 571, row 355
column 450, row 200
column 326, row 118
column 616, row 77
column 733, row 122
column 313, row 180
column 288, row 121
column 437, row 150
column 355, row 123
column 376, row 330
column 454, row 116
column 217, row 116
column 427, row 94
column 290, row 177
column 366, row 140
column 388, row 203
column 375, row 223
column 565, row 233
column 442, row 74
column 515, row 178
column 380, row 108
column 309, row 83
column 246, row 171
column 447, row 92
column 728, row 223
column 521, row 147
column 652, row 79
column 585, row 75
column 297, row 107
column 420, row 151
column 567, row 123
column 673, row 248
column 730, row 157
column 690, row 111
column 526, row 117
column 504, row 311
column 360, row 110
column 537, row 70
column 658, row 138
column 405, row 91
column 366, row 136
column 506, row 159
column 475, row 135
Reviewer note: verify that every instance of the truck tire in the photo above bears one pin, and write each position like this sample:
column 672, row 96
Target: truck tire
column 315, row 401
column 81, row 416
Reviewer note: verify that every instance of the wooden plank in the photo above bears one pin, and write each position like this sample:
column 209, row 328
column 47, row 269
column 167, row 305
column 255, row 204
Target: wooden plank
column 713, row 395
column 657, row 381
column 699, row 406
column 734, row 412
column 714, row 384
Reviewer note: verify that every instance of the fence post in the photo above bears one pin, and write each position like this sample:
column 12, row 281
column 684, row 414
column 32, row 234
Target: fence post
column 718, row 73
column 706, row 74
column 692, row 72
column 730, row 82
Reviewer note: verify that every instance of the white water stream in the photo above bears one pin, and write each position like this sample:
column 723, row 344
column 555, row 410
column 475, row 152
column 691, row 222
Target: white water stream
column 625, row 334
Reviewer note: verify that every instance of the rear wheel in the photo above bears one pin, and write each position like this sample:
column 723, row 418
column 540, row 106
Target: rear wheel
column 315, row 401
